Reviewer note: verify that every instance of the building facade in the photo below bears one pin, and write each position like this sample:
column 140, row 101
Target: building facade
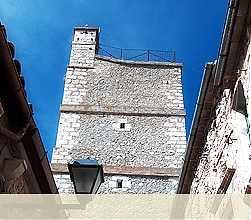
column 218, row 157
column 24, row 167
column 128, row 115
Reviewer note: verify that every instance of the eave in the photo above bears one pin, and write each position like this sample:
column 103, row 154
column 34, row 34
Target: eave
column 20, row 115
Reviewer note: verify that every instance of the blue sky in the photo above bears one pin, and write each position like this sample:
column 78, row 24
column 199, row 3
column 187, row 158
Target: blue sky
column 41, row 31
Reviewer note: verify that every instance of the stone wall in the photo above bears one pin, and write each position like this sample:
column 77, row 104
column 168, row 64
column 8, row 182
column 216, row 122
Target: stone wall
column 64, row 183
column 83, row 47
column 212, row 163
column 145, row 141
column 123, row 114
column 13, row 177
column 138, row 185
column 125, row 84
column 130, row 184
column 18, row 186
column 227, row 145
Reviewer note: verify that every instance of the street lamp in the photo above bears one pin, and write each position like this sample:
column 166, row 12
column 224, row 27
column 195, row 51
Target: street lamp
column 86, row 175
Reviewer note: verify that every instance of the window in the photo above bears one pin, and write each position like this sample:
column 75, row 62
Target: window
column 239, row 102
column 119, row 183
column 122, row 125
column 240, row 105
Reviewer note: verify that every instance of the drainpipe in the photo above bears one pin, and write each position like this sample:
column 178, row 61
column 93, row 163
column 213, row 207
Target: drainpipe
column 14, row 136
column 226, row 39
column 196, row 119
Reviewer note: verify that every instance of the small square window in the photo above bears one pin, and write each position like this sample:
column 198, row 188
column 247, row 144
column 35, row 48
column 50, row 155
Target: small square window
column 122, row 125
column 119, row 183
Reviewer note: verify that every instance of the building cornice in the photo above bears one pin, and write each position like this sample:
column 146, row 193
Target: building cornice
column 115, row 110
column 126, row 170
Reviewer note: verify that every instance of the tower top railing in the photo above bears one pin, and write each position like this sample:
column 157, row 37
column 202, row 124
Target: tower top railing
column 137, row 54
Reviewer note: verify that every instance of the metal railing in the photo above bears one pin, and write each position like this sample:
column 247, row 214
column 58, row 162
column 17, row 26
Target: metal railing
column 137, row 54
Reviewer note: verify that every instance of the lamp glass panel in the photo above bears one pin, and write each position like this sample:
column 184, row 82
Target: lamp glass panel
column 98, row 181
column 84, row 178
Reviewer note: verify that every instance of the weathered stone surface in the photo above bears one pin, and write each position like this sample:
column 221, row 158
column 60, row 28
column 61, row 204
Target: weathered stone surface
column 137, row 185
column 140, row 185
column 227, row 144
column 146, row 143
column 123, row 114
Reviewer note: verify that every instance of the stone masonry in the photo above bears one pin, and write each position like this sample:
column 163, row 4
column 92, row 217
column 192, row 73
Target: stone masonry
column 228, row 141
column 127, row 115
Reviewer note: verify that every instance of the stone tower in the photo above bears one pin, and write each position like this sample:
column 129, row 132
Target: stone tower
column 128, row 115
